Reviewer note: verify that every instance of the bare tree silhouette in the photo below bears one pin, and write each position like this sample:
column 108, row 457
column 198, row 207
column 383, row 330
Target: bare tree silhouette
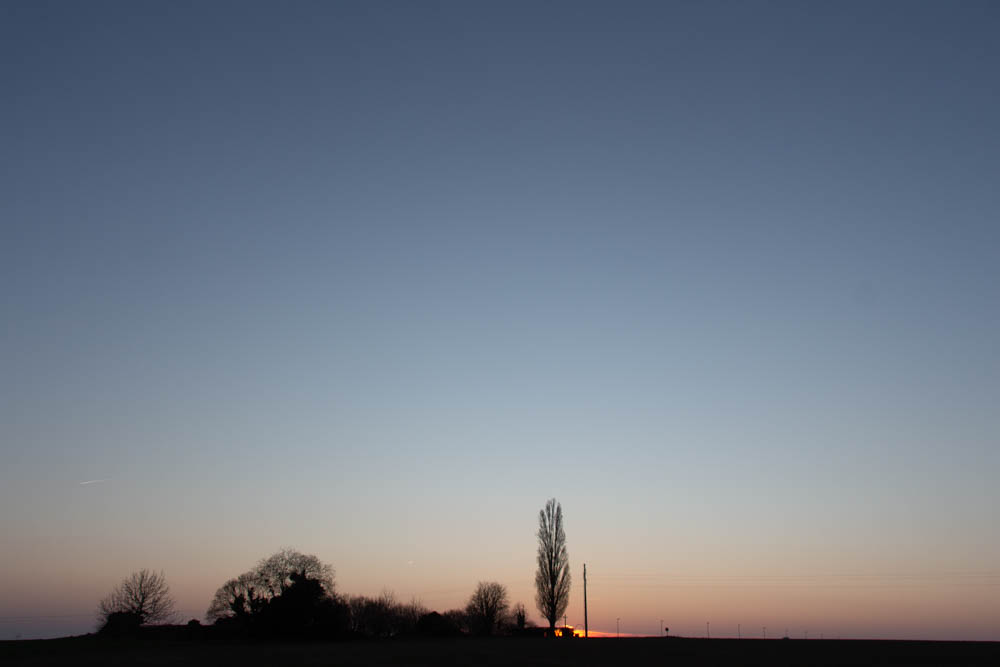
column 552, row 579
column 240, row 597
column 520, row 616
column 143, row 595
column 487, row 607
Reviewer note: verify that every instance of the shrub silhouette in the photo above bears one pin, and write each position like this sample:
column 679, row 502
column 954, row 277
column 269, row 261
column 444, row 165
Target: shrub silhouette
column 459, row 618
column 303, row 610
column 437, row 625
column 121, row 624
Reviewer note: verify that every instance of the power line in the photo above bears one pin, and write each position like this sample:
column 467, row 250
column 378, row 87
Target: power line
column 858, row 575
column 838, row 580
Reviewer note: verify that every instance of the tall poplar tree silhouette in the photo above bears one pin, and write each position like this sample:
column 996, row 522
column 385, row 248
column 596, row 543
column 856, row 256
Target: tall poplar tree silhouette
column 552, row 578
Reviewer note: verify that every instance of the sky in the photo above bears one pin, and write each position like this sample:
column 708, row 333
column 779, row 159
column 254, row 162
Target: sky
column 374, row 280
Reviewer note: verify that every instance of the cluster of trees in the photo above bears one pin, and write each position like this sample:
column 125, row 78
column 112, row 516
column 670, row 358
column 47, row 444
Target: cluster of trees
column 288, row 593
column 383, row 616
column 293, row 594
column 486, row 613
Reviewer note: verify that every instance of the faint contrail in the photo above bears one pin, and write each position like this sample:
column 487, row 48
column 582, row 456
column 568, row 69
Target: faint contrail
column 94, row 481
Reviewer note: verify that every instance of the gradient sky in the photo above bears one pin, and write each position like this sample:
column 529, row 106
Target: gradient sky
column 376, row 279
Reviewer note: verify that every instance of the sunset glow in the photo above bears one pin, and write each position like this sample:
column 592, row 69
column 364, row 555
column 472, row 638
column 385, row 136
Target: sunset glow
column 374, row 281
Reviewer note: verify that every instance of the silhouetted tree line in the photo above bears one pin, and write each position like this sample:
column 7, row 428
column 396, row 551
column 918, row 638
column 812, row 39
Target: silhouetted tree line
column 293, row 595
column 384, row 616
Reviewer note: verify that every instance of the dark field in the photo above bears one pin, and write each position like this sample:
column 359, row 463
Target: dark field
column 91, row 650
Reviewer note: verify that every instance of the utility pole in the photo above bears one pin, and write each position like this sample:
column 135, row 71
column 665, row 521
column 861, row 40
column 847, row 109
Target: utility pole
column 739, row 631
column 708, row 632
column 586, row 630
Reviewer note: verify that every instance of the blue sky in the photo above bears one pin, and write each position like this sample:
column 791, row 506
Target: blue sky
column 722, row 277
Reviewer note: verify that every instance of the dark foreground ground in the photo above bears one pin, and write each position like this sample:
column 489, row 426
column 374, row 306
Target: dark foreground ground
column 90, row 650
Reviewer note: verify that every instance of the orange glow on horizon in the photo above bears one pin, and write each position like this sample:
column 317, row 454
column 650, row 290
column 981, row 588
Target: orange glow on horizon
column 599, row 634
